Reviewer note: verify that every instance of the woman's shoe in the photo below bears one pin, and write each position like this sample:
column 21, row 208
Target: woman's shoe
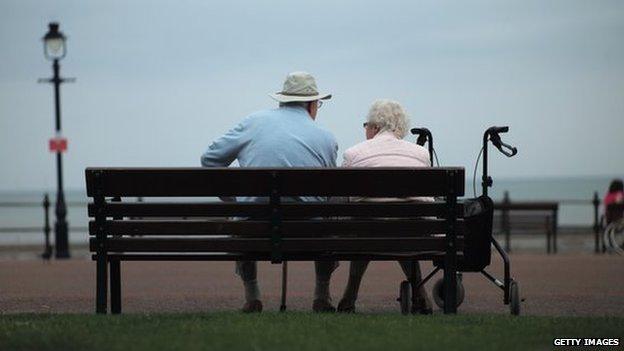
column 320, row 305
column 422, row 306
column 346, row 306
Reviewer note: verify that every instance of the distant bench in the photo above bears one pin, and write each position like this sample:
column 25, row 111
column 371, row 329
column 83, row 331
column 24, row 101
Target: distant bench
column 278, row 230
column 531, row 218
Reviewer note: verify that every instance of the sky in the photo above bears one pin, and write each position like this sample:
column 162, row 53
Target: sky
column 157, row 81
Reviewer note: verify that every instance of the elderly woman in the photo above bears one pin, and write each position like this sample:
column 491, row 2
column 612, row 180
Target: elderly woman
column 386, row 126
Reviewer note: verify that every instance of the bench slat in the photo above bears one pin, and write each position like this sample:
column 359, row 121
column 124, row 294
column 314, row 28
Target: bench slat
column 286, row 256
column 250, row 228
column 265, row 245
column 527, row 206
column 525, row 223
column 168, row 182
column 211, row 209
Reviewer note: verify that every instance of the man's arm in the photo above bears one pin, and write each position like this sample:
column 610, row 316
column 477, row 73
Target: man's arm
column 223, row 151
column 331, row 150
column 334, row 155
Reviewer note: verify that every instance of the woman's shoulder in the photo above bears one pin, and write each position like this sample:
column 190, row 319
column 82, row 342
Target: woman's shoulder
column 412, row 146
column 352, row 152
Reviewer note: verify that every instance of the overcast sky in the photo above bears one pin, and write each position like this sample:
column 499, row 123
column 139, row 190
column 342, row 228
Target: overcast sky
column 158, row 81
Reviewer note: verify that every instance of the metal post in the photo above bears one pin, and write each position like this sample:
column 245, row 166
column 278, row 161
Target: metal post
column 596, row 203
column 61, row 234
column 506, row 222
column 47, row 251
column 486, row 181
column 507, row 270
column 555, row 226
column 430, row 145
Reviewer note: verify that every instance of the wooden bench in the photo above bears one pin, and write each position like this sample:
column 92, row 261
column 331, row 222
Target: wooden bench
column 276, row 230
column 527, row 218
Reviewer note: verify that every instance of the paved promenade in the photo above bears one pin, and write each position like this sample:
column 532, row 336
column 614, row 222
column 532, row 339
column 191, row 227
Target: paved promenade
column 565, row 284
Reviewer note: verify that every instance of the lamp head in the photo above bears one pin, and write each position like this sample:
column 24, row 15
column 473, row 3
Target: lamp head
column 54, row 43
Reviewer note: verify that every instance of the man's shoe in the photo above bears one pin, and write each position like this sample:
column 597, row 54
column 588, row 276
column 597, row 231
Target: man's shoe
column 253, row 306
column 346, row 306
column 321, row 306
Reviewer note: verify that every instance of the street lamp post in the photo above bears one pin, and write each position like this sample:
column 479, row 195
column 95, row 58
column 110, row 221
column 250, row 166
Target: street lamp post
column 54, row 49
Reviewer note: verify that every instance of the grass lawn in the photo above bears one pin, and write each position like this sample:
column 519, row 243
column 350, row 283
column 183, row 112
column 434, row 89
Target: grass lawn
column 296, row 331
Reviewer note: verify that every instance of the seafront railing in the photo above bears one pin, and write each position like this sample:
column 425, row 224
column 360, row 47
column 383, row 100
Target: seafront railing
column 45, row 228
column 504, row 208
column 599, row 245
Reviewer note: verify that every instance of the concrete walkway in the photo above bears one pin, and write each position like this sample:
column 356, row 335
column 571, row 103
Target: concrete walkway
column 571, row 285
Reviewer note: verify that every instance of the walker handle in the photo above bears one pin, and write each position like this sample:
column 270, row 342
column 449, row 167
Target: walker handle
column 504, row 148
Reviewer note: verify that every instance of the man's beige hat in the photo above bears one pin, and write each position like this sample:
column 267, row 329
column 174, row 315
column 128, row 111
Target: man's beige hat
column 299, row 86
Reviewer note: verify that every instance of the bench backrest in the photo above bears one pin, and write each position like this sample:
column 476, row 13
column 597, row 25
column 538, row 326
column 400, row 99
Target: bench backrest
column 534, row 222
column 525, row 217
column 275, row 227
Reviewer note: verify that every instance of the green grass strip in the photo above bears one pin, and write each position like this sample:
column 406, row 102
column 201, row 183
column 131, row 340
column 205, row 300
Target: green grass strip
column 297, row 331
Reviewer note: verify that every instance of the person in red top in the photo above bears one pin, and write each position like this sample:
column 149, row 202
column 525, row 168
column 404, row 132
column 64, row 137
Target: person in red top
column 614, row 196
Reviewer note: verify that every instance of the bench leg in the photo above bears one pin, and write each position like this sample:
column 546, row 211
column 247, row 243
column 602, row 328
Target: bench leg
column 450, row 290
column 101, row 284
column 284, row 285
column 413, row 279
column 548, row 237
column 555, row 240
column 115, row 286
column 548, row 242
column 413, row 282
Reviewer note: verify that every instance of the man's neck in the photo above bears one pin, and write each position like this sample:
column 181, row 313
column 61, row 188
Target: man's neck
column 385, row 133
column 300, row 108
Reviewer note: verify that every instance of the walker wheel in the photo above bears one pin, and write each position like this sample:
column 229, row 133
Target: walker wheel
column 514, row 297
column 438, row 292
column 405, row 297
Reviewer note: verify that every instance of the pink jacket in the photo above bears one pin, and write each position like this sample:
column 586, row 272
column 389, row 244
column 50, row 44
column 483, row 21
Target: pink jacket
column 386, row 150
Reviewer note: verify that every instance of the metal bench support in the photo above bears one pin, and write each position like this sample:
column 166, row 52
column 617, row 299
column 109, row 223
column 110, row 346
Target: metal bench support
column 101, row 261
column 450, row 258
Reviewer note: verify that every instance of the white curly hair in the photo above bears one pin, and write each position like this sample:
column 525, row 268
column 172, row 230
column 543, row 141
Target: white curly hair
column 389, row 115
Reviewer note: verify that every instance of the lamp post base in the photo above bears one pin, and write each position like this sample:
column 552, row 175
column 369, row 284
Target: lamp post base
column 61, row 240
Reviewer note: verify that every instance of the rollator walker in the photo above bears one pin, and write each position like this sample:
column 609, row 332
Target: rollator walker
column 484, row 205
column 479, row 213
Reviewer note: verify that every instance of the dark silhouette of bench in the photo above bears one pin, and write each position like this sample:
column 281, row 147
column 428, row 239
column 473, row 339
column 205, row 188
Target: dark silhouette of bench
column 192, row 225
column 527, row 218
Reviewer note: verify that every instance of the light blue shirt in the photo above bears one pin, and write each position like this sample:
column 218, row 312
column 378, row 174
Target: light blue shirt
column 282, row 137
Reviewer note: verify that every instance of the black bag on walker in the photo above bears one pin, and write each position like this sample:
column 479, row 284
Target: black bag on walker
column 478, row 215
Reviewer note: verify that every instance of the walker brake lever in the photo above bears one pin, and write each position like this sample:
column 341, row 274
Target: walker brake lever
column 501, row 146
column 512, row 150
column 423, row 134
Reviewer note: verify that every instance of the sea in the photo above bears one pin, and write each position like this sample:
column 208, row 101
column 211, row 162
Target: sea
column 23, row 209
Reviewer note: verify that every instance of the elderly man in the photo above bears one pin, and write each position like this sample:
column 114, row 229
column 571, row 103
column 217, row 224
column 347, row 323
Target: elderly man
column 386, row 126
column 283, row 137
